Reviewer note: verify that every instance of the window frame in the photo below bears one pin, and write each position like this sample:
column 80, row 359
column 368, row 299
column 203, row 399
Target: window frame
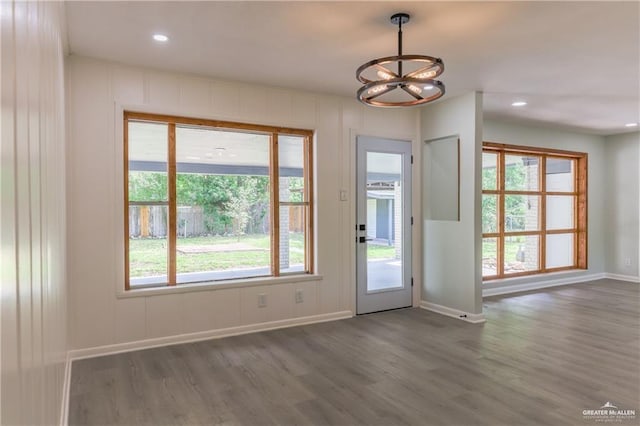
column 274, row 205
column 580, row 220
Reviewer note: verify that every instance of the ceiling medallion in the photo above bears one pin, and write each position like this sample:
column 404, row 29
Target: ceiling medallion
column 413, row 84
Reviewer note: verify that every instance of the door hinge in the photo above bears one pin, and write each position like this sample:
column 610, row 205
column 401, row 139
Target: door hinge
column 412, row 159
column 411, row 220
column 411, row 281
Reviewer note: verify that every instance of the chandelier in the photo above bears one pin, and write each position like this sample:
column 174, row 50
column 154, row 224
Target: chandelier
column 411, row 84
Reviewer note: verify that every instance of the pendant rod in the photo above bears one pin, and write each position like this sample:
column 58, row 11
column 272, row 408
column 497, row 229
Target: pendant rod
column 400, row 46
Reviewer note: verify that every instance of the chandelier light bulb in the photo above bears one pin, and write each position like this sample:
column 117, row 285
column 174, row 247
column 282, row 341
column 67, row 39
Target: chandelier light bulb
column 376, row 89
column 384, row 75
column 415, row 89
column 426, row 74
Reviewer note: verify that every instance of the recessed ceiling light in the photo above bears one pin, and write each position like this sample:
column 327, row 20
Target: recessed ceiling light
column 519, row 103
column 631, row 125
column 160, row 37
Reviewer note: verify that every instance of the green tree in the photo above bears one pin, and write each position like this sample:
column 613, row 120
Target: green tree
column 147, row 186
column 240, row 202
column 229, row 202
column 515, row 206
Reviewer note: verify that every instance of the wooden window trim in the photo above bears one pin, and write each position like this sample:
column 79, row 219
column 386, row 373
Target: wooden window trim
column 172, row 236
column 580, row 207
column 171, row 122
column 125, row 167
column 275, row 209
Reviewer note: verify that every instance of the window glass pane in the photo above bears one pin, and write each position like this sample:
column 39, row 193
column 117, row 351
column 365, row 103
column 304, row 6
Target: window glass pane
column 559, row 250
column 147, row 144
column 293, row 225
column 489, row 257
column 489, row 170
column 489, row 213
column 522, row 173
column 147, row 245
column 291, row 168
column 560, row 174
column 223, row 196
column 521, row 254
column 521, row 213
column 560, row 212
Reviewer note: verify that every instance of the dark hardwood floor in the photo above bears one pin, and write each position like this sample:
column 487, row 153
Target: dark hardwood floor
column 542, row 358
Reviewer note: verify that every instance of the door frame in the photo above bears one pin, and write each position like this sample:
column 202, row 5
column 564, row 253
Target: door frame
column 416, row 212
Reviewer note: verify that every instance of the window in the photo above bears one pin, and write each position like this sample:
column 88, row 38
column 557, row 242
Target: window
column 534, row 210
column 210, row 200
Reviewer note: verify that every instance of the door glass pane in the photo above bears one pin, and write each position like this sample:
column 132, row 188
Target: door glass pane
column 521, row 213
column 489, row 170
column 560, row 174
column 522, row 173
column 559, row 250
column 384, row 221
column 489, row 257
column 223, row 196
column 560, row 211
column 521, row 253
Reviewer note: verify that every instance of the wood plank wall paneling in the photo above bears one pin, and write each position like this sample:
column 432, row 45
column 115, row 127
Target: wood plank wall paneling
column 96, row 274
column 32, row 211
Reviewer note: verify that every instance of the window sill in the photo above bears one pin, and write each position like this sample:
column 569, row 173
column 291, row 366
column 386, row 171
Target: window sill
column 209, row 286
column 500, row 282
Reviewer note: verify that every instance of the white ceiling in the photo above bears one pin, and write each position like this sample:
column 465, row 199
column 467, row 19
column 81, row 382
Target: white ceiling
column 577, row 64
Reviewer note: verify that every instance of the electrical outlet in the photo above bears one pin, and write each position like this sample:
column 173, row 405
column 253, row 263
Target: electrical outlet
column 627, row 261
column 262, row 300
column 299, row 296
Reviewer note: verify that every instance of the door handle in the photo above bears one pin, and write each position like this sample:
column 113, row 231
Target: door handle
column 365, row 239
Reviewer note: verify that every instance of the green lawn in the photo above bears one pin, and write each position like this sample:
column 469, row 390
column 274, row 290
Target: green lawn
column 148, row 256
column 375, row 251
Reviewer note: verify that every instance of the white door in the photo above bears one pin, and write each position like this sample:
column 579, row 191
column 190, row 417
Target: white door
column 383, row 265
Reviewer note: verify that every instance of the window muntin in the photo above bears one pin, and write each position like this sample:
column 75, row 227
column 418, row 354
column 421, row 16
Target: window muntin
column 533, row 210
column 207, row 201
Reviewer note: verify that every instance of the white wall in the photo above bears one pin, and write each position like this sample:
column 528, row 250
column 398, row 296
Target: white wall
column 594, row 146
column 451, row 249
column 33, row 286
column 97, row 91
column 622, row 219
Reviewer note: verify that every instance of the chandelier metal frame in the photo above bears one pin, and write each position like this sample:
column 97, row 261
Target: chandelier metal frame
column 414, row 82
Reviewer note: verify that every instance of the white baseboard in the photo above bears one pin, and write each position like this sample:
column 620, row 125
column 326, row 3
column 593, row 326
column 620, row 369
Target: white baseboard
column 203, row 335
column 66, row 386
column 453, row 313
column 619, row 277
column 536, row 285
